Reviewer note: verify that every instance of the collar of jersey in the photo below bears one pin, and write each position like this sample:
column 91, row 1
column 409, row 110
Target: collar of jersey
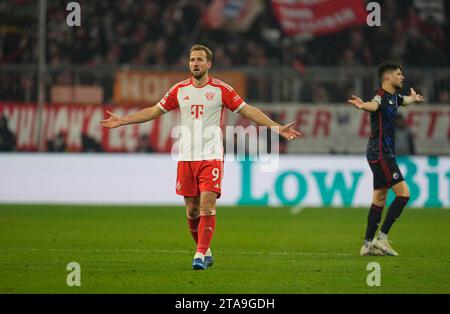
column 207, row 82
column 388, row 92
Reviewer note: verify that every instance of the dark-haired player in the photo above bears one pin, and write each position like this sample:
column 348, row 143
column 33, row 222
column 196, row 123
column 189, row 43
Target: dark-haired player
column 381, row 156
column 201, row 100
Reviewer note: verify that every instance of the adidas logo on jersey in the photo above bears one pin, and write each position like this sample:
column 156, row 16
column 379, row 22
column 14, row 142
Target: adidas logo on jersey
column 186, row 98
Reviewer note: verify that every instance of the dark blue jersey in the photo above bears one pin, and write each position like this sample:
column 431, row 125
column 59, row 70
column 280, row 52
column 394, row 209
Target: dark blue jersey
column 382, row 139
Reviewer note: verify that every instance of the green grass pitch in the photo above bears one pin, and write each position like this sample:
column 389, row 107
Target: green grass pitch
column 257, row 250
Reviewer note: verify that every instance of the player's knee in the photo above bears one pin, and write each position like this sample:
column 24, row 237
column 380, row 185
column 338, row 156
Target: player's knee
column 207, row 210
column 193, row 211
column 404, row 192
column 380, row 199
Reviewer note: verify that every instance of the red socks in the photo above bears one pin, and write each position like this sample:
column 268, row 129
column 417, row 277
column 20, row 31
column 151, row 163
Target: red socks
column 193, row 228
column 205, row 232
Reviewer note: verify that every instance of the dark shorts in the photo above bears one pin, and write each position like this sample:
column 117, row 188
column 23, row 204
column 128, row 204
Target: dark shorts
column 385, row 173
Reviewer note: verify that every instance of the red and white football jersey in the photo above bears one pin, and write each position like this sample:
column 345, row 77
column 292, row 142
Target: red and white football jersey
column 201, row 116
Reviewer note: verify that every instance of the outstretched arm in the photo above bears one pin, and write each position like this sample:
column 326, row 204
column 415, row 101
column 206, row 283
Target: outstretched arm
column 412, row 98
column 370, row 106
column 258, row 117
column 144, row 115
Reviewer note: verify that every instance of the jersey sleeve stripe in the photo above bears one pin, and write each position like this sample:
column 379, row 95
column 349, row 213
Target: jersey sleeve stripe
column 377, row 99
column 218, row 82
column 185, row 82
column 240, row 107
column 179, row 84
column 161, row 107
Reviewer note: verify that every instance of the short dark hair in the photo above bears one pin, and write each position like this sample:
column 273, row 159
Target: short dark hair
column 208, row 52
column 387, row 66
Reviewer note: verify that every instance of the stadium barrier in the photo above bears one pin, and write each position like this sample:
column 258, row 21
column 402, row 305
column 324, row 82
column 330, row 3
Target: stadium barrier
column 315, row 180
column 335, row 128
column 271, row 84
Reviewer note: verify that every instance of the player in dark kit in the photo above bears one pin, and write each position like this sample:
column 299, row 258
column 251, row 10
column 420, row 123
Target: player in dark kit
column 381, row 156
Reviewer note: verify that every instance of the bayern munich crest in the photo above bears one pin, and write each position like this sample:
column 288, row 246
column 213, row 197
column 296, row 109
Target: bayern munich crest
column 209, row 95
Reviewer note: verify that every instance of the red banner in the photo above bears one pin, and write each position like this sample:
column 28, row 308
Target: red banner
column 325, row 129
column 318, row 17
column 78, row 126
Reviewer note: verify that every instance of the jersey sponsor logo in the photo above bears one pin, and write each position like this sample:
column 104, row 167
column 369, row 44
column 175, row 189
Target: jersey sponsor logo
column 197, row 111
column 210, row 95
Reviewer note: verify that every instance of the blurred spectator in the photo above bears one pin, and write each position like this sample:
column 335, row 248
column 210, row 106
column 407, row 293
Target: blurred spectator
column 348, row 59
column 89, row 144
column 444, row 97
column 58, row 144
column 319, row 94
column 359, row 48
column 301, row 57
column 144, row 145
column 7, row 138
column 404, row 141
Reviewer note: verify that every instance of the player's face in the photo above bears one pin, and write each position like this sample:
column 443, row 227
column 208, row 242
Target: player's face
column 199, row 64
column 397, row 79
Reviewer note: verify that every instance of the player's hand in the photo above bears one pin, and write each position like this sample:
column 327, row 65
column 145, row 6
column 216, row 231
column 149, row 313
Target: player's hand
column 113, row 121
column 415, row 97
column 356, row 101
column 288, row 132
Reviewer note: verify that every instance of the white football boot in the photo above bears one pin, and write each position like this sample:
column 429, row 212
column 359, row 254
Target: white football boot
column 385, row 247
column 370, row 250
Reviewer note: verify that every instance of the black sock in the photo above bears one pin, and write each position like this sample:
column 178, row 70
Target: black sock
column 393, row 213
column 373, row 220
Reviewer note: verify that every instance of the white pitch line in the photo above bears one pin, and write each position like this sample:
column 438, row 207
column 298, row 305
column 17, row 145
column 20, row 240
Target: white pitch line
column 176, row 251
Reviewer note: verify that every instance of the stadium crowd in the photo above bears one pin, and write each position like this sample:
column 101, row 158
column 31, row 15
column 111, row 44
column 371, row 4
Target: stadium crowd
column 161, row 31
column 412, row 32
